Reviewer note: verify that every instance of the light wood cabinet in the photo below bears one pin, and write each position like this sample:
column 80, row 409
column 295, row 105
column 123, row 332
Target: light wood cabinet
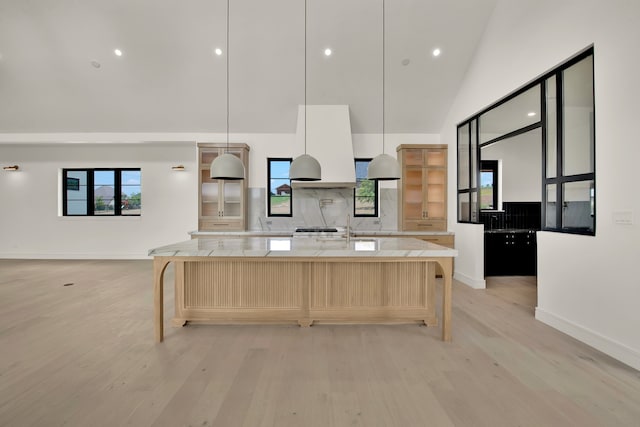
column 422, row 191
column 222, row 204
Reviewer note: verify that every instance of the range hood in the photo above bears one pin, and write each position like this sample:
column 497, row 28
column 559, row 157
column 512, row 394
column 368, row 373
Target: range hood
column 329, row 141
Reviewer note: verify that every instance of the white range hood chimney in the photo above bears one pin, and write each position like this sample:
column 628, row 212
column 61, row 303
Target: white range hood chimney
column 329, row 141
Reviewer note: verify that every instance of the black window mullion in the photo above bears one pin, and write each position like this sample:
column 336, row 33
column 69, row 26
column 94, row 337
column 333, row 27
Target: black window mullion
column 269, row 186
column 458, row 216
column 64, row 192
column 90, row 192
column 512, row 133
column 470, row 171
column 477, row 172
column 544, row 124
column 559, row 147
column 117, row 191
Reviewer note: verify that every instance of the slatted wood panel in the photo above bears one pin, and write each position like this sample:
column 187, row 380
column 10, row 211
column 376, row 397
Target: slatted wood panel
column 303, row 291
column 345, row 285
column 237, row 284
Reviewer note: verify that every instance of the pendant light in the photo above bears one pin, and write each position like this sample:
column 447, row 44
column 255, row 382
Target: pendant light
column 305, row 167
column 383, row 167
column 227, row 166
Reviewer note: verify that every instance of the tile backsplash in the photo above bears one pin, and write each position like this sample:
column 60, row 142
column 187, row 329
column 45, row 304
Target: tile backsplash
column 322, row 207
column 518, row 215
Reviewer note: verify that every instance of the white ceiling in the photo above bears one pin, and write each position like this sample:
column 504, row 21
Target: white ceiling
column 169, row 79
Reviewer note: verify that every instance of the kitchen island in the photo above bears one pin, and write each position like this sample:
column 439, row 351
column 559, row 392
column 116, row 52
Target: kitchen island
column 303, row 280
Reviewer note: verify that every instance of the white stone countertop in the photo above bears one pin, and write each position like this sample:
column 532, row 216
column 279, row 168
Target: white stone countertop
column 311, row 246
column 382, row 233
column 289, row 233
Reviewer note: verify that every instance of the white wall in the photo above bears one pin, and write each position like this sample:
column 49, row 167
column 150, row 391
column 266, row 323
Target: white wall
column 588, row 287
column 521, row 171
column 30, row 224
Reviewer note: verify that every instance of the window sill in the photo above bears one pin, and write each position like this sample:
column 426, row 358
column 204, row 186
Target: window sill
column 100, row 218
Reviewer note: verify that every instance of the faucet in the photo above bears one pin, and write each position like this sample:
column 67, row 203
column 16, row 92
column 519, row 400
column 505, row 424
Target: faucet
column 348, row 228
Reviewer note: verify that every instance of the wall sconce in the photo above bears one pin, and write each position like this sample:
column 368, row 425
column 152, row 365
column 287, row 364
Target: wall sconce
column 11, row 168
column 179, row 168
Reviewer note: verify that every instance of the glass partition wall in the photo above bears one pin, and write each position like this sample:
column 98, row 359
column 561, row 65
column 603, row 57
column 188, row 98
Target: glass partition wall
column 561, row 104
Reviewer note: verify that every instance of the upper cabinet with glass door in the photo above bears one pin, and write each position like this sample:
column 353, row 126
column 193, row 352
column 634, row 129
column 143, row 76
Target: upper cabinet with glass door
column 222, row 204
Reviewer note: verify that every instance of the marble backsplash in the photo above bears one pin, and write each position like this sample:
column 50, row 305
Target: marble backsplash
column 322, row 207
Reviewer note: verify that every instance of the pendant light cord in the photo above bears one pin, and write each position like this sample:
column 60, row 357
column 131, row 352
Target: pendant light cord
column 227, row 76
column 305, row 76
column 382, row 76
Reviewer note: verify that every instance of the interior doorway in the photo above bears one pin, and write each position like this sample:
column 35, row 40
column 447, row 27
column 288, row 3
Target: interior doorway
column 511, row 204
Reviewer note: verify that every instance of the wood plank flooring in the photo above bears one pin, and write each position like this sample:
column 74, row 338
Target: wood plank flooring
column 83, row 355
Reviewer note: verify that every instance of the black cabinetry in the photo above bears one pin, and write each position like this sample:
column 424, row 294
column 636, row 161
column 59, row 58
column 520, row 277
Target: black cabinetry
column 510, row 253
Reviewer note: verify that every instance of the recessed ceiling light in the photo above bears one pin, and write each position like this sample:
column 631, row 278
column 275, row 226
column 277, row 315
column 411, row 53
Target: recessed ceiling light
column 406, row 61
column 327, row 52
column 218, row 51
column 436, row 52
column 118, row 52
column 531, row 114
column 95, row 64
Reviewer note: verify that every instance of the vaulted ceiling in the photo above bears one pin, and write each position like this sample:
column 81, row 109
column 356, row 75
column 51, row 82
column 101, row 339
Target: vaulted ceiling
column 59, row 73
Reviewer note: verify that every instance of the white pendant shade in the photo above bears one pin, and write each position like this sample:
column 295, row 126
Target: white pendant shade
column 304, row 168
column 383, row 168
column 227, row 166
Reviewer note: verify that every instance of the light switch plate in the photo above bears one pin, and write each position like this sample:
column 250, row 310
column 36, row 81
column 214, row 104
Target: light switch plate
column 623, row 218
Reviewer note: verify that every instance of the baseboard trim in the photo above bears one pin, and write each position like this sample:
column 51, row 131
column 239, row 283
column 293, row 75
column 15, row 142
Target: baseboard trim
column 606, row 345
column 114, row 256
column 470, row 281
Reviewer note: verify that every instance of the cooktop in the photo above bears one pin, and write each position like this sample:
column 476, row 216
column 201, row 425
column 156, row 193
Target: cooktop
column 316, row 230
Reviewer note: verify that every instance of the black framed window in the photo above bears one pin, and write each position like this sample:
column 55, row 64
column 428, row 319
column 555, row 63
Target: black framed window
column 489, row 184
column 280, row 197
column 569, row 181
column 101, row 192
column 562, row 103
column 468, row 161
column 365, row 195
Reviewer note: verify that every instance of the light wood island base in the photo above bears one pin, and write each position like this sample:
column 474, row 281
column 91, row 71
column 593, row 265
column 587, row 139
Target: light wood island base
column 304, row 291
column 304, row 281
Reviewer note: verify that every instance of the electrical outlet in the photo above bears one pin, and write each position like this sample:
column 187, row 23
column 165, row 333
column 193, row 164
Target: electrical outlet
column 623, row 218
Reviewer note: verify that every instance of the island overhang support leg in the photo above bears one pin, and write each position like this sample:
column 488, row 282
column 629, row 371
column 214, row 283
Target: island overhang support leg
column 159, row 265
column 447, row 268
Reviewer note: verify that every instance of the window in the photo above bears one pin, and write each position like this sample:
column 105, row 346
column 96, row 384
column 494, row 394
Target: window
column 365, row 195
column 569, row 199
column 489, row 184
column 560, row 103
column 280, row 192
column 101, row 192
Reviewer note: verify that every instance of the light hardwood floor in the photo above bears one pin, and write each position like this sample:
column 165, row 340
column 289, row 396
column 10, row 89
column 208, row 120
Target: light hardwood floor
column 84, row 355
